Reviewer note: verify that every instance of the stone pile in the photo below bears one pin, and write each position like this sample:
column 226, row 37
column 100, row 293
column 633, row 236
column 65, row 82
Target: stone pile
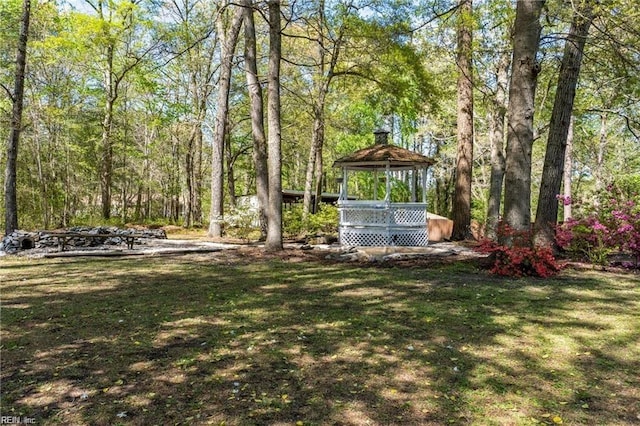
column 18, row 240
column 23, row 240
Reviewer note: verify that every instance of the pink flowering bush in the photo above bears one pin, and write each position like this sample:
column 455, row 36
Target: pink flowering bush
column 615, row 227
column 586, row 238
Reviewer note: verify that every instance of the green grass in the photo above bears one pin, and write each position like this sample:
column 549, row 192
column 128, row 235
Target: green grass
column 202, row 339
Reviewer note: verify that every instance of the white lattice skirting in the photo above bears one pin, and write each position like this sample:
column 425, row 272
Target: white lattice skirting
column 381, row 224
column 382, row 238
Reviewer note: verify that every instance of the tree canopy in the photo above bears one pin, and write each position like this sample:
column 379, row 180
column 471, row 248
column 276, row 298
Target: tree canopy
column 122, row 111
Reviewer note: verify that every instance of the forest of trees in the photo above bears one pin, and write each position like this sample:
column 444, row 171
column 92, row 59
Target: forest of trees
column 166, row 111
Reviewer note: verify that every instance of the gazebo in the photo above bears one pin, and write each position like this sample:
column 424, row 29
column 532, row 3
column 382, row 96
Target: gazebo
column 380, row 221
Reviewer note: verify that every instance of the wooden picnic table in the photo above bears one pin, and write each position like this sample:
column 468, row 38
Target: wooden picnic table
column 64, row 237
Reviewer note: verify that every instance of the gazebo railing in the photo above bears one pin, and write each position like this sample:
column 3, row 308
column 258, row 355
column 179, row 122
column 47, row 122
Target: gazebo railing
column 379, row 223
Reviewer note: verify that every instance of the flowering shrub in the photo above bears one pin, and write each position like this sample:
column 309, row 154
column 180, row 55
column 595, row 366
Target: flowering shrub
column 586, row 238
column 613, row 228
column 625, row 225
column 520, row 257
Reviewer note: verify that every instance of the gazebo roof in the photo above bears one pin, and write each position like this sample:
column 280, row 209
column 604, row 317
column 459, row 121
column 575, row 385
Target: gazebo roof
column 380, row 155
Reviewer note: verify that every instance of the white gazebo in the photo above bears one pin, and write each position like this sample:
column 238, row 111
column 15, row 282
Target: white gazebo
column 380, row 221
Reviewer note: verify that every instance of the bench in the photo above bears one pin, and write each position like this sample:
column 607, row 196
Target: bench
column 64, row 237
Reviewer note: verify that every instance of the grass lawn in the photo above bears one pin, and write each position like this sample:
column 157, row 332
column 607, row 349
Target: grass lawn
column 239, row 339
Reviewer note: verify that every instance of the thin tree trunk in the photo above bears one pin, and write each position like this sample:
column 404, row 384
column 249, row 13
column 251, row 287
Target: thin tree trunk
column 325, row 78
column 547, row 211
column 524, row 75
column 496, row 138
column 602, row 148
column 190, row 172
column 42, row 183
column 274, row 163
column 228, row 43
column 257, row 117
column 316, row 142
column 106, row 171
column 568, row 169
column 174, row 180
column 11, row 175
column 464, row 163
column 319, row 175
column 197, row 206
column 231, row 181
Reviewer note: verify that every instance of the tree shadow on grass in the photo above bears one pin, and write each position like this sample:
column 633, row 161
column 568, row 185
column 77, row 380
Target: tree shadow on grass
column 189, row 341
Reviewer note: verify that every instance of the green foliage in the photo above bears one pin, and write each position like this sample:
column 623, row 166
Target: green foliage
column 324, row 221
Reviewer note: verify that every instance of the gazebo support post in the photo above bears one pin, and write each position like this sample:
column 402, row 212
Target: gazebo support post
column 424, row 185
column 375, row 184
column 345, row 185
column 387, row 173
column 414, row 183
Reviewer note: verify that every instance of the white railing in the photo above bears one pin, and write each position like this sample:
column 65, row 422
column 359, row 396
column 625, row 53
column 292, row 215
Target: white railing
column 379, row 223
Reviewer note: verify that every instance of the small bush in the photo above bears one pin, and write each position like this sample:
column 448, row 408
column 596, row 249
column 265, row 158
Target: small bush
column 242, row 223
column 520, row 257
column 324, row 221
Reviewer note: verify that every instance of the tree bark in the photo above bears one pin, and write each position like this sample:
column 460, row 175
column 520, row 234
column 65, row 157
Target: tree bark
column 228, row 43
column 547, row 211
column 317, row 140
column 524, row 75
column 11, row 173
column 496, row 139
column 464, row 162
column 257, row 116
column 274, row 163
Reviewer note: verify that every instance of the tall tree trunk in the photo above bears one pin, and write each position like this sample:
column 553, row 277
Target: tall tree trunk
column 228, row 43
column 274, row 163
column 174, row 181
column 198, row 178
column 464, row 163
column 524, row 76
column 43, row 180
column 496, row 138
column 321, row 89
column 106, row 171
column 189, row 169
column 547, row 212
column 231, row 180
column 316, row 142
column 189, row 158
column 190, row 165
column 568, row 169
column 257, row 117
column 11, row 171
